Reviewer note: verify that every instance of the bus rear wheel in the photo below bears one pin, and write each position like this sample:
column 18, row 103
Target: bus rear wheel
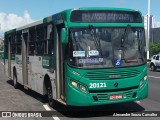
column 49, row 94
column 15, row 83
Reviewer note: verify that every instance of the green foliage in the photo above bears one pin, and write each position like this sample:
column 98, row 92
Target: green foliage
column 154, row 48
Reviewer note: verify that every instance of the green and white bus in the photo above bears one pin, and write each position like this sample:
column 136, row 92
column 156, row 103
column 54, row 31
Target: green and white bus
column 81, row 57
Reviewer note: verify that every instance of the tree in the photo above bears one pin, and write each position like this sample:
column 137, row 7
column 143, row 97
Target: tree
column 154, row 48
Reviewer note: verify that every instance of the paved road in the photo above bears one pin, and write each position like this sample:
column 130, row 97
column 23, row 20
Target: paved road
column 21, row 100
column 18, row 99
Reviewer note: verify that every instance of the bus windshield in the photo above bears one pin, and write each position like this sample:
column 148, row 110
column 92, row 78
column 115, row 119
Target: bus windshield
column 95, row 47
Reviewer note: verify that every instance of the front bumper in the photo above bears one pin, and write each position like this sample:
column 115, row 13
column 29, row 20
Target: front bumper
column 75, row 97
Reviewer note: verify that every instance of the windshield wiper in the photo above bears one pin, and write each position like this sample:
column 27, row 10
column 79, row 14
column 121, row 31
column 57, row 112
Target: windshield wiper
column 123, row 40
column 124, row 35
column 95, row 39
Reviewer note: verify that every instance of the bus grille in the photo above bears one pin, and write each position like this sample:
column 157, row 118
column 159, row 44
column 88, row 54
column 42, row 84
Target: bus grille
column 102, row 75
column 102, row 97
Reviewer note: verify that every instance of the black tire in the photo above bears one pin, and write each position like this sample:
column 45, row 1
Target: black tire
column 49, row 94
column 153, row 67
column 15, row 83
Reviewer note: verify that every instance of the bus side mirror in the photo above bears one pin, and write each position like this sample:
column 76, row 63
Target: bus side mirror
column 64, row 36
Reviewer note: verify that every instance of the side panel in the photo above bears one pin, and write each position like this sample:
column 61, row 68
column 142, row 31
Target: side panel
column 18, row 65
column 9, row 59
column 49, row 69
column 35, row 74
column 6, row 67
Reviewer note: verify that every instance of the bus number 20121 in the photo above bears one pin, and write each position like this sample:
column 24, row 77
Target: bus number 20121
column 97, row 85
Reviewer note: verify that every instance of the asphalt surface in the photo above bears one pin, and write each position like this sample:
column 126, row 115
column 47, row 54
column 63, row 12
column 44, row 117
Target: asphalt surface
column 22, row 100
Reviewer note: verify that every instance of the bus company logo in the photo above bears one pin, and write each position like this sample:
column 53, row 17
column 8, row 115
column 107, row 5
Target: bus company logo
column 78, row 53
column 116, row 84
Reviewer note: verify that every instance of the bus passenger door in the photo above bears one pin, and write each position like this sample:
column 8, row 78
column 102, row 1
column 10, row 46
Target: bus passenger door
column 60, row 67
column 25, row 60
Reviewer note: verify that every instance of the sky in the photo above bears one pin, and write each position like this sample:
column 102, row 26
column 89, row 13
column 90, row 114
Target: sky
column 16, row 13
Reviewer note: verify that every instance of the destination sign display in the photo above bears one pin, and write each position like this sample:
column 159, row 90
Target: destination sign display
column 106, row 16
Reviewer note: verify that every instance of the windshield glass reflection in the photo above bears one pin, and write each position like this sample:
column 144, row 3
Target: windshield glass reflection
column 106, row 47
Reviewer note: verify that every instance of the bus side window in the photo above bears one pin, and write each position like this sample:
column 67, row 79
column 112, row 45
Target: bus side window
column 13, row 44
column 50, row 39
column 6, row 45
column 40, row 40
column 18, row 42
column 31, row 48
column 32, row 37
column 45, row 43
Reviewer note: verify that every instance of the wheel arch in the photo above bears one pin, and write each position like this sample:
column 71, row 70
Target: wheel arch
column 45, row 83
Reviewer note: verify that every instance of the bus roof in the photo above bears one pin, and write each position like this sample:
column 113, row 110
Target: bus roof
column 55, row 16
column 103, row 8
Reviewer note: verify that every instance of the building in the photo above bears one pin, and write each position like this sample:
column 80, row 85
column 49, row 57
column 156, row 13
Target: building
column 151, row 24
column 154, row 35
column 154, row 32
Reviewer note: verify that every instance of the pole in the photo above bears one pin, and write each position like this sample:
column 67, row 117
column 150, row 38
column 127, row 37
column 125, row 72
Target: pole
column 148, row 29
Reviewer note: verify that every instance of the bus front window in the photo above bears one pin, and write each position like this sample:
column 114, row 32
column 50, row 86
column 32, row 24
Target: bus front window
column 102, row 47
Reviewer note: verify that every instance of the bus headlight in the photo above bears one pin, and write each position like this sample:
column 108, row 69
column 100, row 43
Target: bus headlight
column 142, row 81
column 75, row 84
column 83, row 88
column 145, row 77
column 79, row 86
